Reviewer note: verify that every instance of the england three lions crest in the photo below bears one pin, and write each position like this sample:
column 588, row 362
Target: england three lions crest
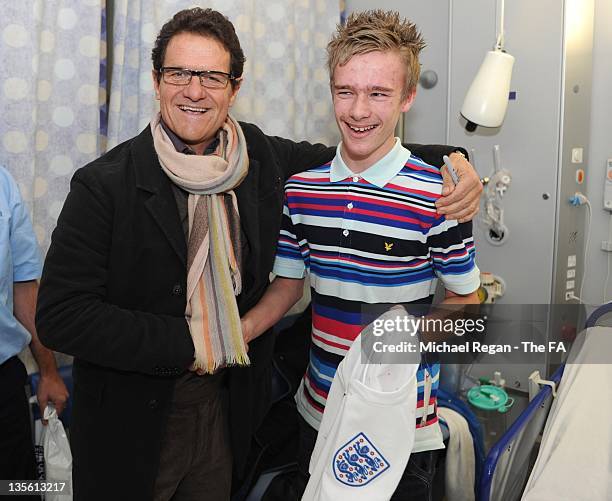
column 358, row 462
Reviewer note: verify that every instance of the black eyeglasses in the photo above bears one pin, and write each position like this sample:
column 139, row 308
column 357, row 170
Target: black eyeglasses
column 208, row 79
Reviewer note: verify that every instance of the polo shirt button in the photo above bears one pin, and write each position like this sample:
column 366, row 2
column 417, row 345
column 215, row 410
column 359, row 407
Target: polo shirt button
column 153, row 404
column 350, row 205
column 355, row 179
column 177, row 290
column 345, row 233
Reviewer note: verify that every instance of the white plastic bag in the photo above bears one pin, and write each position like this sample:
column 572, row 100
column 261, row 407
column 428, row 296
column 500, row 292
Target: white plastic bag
column 56, row 451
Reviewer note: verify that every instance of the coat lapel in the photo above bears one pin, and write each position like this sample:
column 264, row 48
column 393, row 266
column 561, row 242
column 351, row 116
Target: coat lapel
column 247, row 195
column 161, row 203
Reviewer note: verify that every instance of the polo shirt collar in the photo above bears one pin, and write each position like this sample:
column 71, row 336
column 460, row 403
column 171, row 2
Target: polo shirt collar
column 378, row 174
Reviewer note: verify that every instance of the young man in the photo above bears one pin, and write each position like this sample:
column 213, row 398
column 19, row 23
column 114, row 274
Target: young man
column 366, row 230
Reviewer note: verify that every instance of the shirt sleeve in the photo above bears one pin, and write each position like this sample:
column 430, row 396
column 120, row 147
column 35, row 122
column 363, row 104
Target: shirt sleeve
column 25, row 253
column 289, row 261
column 453, row 257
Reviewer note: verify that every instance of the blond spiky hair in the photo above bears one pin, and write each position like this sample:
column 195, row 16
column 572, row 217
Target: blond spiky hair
column 377, row 30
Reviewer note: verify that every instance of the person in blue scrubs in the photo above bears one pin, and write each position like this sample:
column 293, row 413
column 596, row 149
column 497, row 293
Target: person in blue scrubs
column 20, row 268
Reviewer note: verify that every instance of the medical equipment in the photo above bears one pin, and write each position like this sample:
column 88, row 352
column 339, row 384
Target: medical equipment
column 488, row 401
column 486, row 100
column 490, row 404
column 608, row 186
column 496, row 381
column 492, row 218
column 491, row 288
column 608, row 247
column 579, row 199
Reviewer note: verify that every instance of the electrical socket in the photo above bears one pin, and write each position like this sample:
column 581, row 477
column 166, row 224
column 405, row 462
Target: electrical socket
column 606, row 246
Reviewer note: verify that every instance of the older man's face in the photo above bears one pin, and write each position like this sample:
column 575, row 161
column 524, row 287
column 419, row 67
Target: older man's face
column 193, row 112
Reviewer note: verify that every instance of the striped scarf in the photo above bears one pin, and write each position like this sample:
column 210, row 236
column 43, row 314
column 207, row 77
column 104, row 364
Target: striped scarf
column 213, row 246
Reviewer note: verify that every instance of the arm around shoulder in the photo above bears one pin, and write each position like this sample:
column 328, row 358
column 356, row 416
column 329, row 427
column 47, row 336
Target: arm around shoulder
column 460, row 202
column 293, row 156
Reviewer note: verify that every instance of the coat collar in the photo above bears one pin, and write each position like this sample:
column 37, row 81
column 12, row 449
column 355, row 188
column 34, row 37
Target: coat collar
column 161, row 203
column 149, row 174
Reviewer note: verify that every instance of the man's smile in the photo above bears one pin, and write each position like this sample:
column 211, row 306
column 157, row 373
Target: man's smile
column 360, row 130
column 192, row 109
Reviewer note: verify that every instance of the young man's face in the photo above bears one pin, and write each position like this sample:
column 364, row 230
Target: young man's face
column 367, row 95
column 193, row 112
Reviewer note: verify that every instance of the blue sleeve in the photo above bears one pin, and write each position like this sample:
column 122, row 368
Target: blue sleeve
column 24, row 247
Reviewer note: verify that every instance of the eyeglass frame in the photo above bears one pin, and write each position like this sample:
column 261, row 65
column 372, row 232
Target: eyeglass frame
column 198, row 73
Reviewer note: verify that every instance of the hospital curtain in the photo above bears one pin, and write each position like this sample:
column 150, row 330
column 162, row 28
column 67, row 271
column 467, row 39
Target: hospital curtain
column 50, row 56
column 286, row 89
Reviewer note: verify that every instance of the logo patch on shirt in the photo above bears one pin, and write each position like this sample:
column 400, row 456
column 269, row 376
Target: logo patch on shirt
column 358, row 462
column 388, row 246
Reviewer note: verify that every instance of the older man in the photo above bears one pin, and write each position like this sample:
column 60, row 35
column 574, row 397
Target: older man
column 161, row 245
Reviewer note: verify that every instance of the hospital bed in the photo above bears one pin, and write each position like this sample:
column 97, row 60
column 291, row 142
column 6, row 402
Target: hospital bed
column 508, row 463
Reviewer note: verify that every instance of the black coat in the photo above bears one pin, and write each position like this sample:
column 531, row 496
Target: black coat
column 113, row 295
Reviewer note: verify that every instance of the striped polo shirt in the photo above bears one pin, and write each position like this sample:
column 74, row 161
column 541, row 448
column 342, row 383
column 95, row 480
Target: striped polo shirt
column 372, row 238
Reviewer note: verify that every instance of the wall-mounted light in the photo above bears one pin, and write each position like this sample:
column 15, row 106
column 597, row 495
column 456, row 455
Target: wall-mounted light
column 486, row 101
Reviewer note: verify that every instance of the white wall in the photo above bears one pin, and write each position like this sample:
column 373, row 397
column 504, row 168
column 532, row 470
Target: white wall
column 600, row 150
